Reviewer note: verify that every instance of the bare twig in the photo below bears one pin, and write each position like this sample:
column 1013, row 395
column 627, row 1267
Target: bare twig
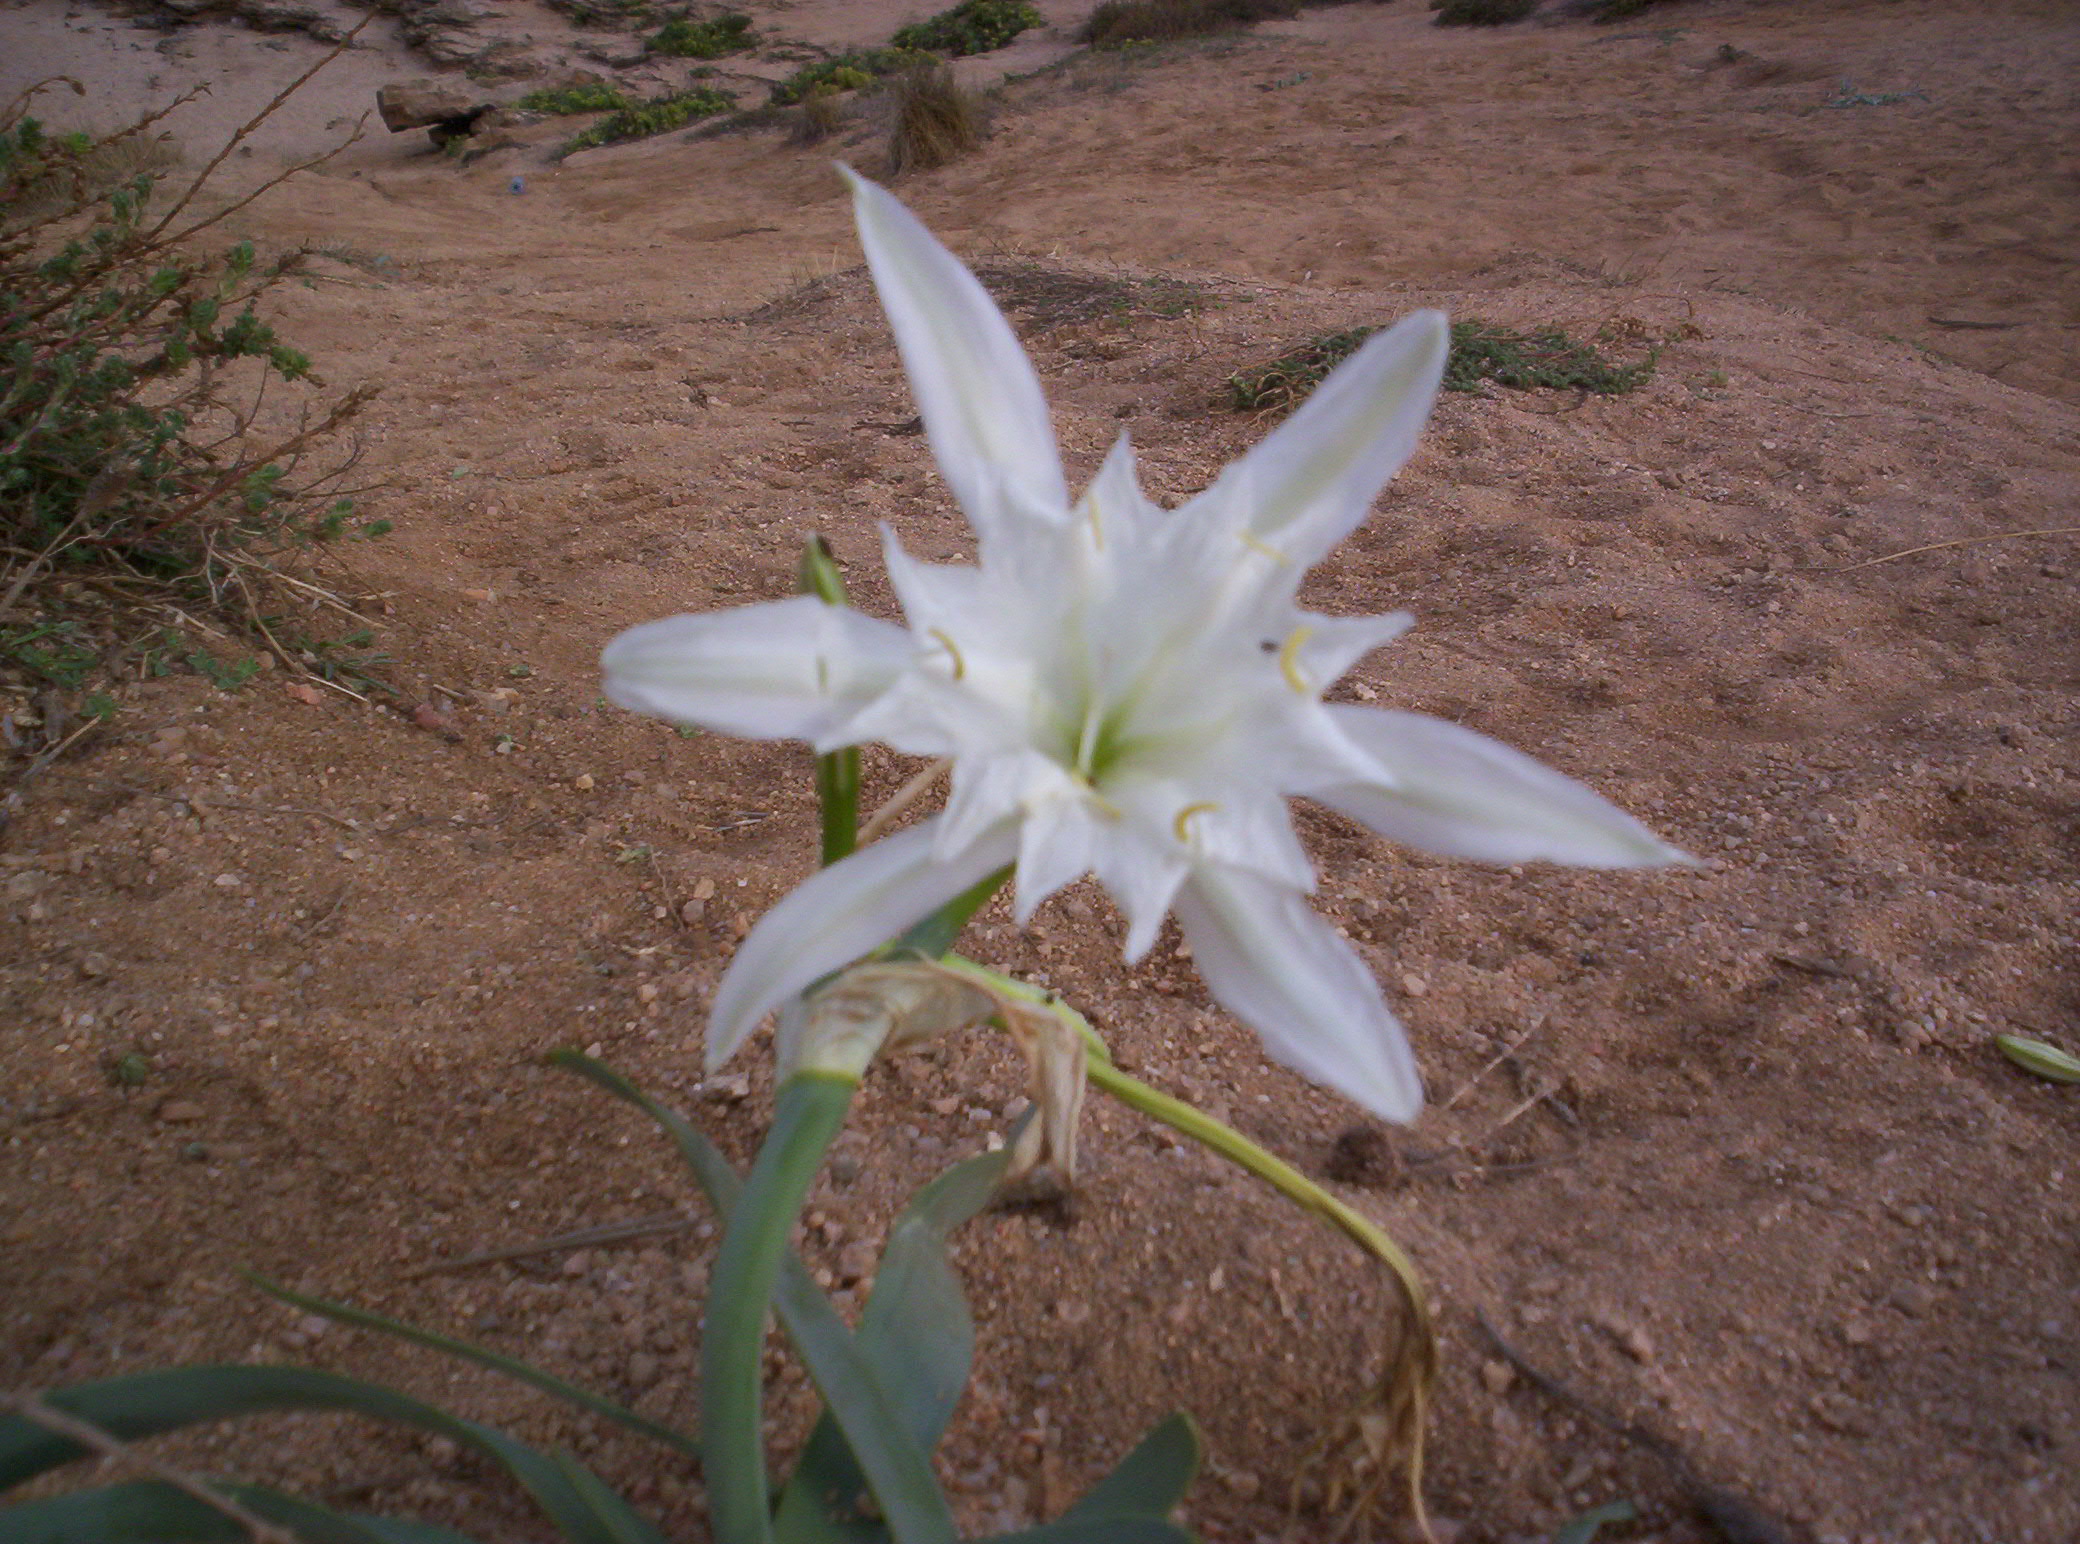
column 1501, row 1056
column 1938, row 546
column 245, row 132
column 205, row 803
column 32, row 1408
column 583, row 1238
column 904, row 797
column 1738, row 1520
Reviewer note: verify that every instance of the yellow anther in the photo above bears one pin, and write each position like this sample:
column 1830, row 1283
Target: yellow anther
column 1184, row 816
column 1289, row 660
column 960, row 666
column 1264, row 548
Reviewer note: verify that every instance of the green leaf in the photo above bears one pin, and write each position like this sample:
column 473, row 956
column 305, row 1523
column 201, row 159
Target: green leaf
column 841, row 1371
column 1150, row 1480
column 145, row 1404
column 809, row 1111
column 512, row 1367
column 2040, row 1057
column 1581, row 1529
column 935, row 934
column 1106, row 1530
column 154, row 1512
column 918, row 1335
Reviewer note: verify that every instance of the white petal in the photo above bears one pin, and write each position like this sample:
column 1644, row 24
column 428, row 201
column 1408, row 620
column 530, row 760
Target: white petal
column 1313, row 479
column 1286, row 973
column 990, row 789
column 1132, row 848
column 1462, row 795
column 839, row 914
column 1056, row 847
column 981, row 401
column 1331, row 645
column 785, row 669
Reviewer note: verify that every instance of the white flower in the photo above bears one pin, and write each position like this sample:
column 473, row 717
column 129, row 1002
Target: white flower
column 1123, row 691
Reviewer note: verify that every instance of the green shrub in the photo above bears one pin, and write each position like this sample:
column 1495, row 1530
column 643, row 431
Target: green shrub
column 1483, row 13
column 684, row 38
column 850, row 71
column 660, row 115
column 132, row 366
column 1119, row 22
column 562, row 102
column 972, row 27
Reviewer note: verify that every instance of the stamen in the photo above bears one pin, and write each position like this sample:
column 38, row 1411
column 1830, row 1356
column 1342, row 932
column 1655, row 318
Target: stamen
column 1289, row 660
column 960, row 666
column 1180, row 824
column 1264, row 548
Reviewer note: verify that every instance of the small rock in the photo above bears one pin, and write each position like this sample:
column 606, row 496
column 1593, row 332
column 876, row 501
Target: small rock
column 180, row 1111
column 583, row 782
column 418, row 104
column 692, row 912
column 1414, row 985
column 228, row 882
column 1363, row 1155
column 433, row 717
column 1497, row 1377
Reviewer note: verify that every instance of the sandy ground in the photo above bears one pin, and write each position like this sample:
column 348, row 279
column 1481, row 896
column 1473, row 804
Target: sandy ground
column 1731, row 1150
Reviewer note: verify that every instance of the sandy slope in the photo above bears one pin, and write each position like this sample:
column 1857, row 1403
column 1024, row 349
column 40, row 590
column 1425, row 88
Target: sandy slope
column 1730, row 1148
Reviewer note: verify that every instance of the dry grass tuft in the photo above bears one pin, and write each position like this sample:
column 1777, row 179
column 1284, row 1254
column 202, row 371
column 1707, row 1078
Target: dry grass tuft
column 935, row 121
column 816, row 118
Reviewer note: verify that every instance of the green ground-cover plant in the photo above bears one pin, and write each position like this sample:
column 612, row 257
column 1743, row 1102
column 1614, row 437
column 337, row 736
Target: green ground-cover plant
column 1481, row 352
column 660, row 115
column 566, row 101
column 1117, row 23
column 684, row 38
column 1044, row 298
column 1481, row 13
column 972, row 27
column 852, row 70
column 134, row 364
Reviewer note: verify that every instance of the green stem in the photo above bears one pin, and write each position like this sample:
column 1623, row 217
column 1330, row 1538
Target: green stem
column 808, row 1114
column 837, row 772
column 837, row 796
column 1218, row 1137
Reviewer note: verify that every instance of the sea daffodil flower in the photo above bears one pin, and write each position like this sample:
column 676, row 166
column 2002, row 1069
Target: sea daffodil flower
column 1122, row 690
